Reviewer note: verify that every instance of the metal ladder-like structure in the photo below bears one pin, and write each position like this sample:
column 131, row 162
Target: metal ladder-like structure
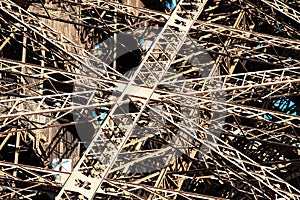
column 149, row 73
column 254, row 135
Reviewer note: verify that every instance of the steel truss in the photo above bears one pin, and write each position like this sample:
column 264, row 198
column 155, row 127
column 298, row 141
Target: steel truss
column 173, row 130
